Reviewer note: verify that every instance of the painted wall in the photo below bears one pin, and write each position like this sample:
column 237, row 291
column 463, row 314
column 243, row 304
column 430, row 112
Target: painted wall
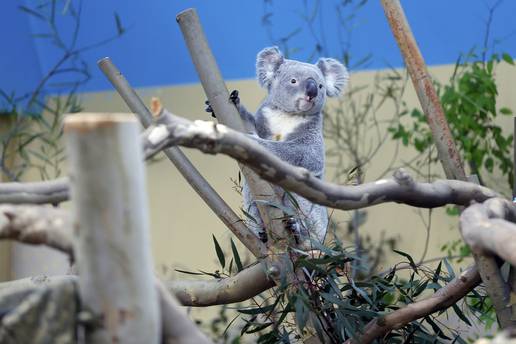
column 19, row 64
column 152, row 52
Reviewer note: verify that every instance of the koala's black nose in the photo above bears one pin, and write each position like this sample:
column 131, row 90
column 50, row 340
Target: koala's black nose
column 311, row 88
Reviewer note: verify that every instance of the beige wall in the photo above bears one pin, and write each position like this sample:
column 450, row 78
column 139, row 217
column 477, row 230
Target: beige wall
column 182, row 224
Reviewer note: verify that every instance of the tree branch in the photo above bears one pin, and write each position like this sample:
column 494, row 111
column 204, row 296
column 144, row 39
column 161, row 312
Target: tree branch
column 37, row 225
column 216, row 138
column 485, row 228
column 177, row 328
column 52, row 191
column 45, row 225
column 243, row 286
column 442, row 299
column 183, row 165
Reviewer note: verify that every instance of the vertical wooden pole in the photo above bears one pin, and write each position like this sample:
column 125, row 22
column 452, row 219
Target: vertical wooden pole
column 447, row 151
column 449, row 156
column 111, row 223
column 227, row 114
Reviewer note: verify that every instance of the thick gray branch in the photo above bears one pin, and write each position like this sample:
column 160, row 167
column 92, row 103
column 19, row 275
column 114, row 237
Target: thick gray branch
column 45, row 225
column 215, row 138
column 177, row 328
column 243, row 286
column 52, row 191
column 486, row 229
column 37, row 225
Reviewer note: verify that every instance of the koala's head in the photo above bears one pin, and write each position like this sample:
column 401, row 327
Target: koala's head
column 297, row 87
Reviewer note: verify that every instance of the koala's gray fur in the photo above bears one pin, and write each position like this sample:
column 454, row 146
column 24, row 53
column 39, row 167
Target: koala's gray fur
column 289, row 124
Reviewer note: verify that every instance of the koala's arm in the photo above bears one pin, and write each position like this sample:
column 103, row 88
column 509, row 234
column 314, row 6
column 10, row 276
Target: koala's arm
column 247, row 118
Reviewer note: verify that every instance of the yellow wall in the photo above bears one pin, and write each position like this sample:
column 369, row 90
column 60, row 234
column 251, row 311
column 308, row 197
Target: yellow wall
column 182, row 224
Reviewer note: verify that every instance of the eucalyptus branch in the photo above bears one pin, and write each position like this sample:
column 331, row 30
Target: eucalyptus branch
column 49, row 226
column 37, row 225
column 199, row 293
column 486, row 229
column 46, row 192
column 215, row 138
column 442, row 299
column 177, row 328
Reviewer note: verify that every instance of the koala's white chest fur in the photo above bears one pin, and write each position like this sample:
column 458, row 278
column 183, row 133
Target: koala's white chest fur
column 281, row 124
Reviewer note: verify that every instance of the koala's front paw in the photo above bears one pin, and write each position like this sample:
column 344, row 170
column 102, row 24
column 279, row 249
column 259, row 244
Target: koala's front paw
column 263, row 236
column 292, row 226
column 209, row 109
column 235, row 99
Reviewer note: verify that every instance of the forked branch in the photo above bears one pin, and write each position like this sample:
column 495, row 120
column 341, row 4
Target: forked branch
column 216, row 138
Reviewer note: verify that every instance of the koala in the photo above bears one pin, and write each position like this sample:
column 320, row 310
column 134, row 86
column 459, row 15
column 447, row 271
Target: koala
column 289, row 123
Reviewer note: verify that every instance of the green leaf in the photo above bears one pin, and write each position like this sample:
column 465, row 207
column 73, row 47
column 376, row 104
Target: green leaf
column 406, row 255
column 238, row 262
column 507, row 58
column 220, row 253
column 188, row 272
column 460, row 314
column 506, row 111
column 119, row 28
column 259, row 310
column 301, row 313
column 449, row 268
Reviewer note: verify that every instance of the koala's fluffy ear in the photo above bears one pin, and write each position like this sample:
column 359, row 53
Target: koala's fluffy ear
column 267, row 63
column 335, row 75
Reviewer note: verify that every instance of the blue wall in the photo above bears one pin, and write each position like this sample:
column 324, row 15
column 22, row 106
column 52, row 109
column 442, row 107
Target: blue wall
column 19, row 64
column 152, row 51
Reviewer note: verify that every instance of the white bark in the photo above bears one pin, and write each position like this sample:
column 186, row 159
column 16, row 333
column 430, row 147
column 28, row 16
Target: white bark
column 216, row 138
column 485, row 227
column 177, row 327
column 37, row 225
column 51, row 191
column 246, row 284
column 112, row 227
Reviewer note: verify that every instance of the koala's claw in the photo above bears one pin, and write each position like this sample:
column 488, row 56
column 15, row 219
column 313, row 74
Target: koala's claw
column 234, row 97
column 263, row 236
column 292, row 226
column 209, row 109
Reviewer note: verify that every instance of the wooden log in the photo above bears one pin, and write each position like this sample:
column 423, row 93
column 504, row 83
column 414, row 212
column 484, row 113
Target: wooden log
column 110, row 215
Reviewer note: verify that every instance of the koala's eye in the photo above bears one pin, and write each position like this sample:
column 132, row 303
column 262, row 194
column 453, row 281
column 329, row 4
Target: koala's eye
column 320, row 86
column 293, row 81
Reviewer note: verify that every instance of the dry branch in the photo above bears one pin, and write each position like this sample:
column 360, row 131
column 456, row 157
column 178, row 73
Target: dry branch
column 45, row 225
column 181, row 162
column 442, row 299
column 47, row 192
column 486, row 229
column 37, row 225
column 216, row 138
column 243, row 286
column 176, row 326
column 443, row 139
column 218, row 96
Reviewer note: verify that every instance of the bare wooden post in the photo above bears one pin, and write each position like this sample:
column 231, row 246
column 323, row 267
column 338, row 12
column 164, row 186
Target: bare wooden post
column 443, row 139
column 111, row 223
column 448, row 153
